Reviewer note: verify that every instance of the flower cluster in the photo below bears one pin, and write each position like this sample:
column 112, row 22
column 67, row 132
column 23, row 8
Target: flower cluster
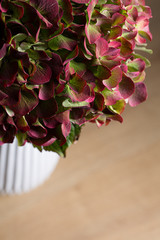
column 67, row 62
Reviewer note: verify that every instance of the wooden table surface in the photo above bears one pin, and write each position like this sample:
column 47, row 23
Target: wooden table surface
column 108, row 187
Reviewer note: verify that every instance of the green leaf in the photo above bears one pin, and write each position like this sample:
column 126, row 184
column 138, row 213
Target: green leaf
column 73, row 54
column 60, row 100
column 72, row 137
column 136, row 65
column 60, row 42
column 20, row 37
column 40, row 46
column 33, row 54
column 67, row 11
column 118, row 107
column 70, row 104
column 143, row 49
column 21, row 137
column 38, row 147
column 102, row 72
column 77, row 66
column 144, row 35
column 77, row 83
column 55, row 147
column 140, row 77
column 25, row 46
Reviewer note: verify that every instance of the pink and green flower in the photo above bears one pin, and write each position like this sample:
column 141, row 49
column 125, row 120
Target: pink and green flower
column 67, row 62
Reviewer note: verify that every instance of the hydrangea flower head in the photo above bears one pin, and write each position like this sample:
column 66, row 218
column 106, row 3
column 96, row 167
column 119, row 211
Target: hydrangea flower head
column 67, row 62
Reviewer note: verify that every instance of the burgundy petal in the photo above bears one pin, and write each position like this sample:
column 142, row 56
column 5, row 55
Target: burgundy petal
column 72, row 55
column 85, row 95
column 50, row 122
column 49, row 8
column 13, row 94
column 77, row 113
column 126, row 87
column 103, row 72
column 31, row 117
column 126, row 47
column 48, row 140
column 8, row 73
column 17, row 28
column 66, row 124
column 3, row 50
column 27, row 102
column 98, row 102
column 42, row 75
column 23, row 56
column 22, row 124
column 81, row 1
column 15, row 10
column 56, row 64
column 10, row 131
column 67, row 11
column 47, row 109
column 46, row 91
column 3, row 97
column 31, row 20
column 37, row 131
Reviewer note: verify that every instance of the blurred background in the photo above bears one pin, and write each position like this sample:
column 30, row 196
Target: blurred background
column 108, row 186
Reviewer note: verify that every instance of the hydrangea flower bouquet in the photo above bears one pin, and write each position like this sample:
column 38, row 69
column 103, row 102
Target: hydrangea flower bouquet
column 67, row 62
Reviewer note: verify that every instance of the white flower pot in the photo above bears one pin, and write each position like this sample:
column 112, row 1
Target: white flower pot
column 24, row 168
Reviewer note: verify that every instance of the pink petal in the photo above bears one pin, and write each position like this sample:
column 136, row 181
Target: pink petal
column 118, row 19
column 81, row 1
column 101, row 47
column 92, row 33
column 90, row 8
column 139, row 96
column 137, row 65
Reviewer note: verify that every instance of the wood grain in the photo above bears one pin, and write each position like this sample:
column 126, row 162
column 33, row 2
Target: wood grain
column 108, row 187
